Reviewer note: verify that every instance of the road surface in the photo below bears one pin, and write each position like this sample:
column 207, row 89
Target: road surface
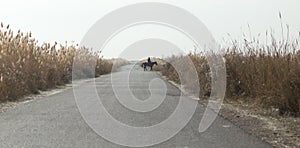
column 55, row 121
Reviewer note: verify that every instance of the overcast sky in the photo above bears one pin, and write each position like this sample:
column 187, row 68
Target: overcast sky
column 69, row 20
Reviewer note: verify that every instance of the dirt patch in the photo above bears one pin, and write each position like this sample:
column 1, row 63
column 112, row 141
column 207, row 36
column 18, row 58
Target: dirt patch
column 276, row 130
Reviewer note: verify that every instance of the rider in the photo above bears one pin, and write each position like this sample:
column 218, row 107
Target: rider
column 149, row 60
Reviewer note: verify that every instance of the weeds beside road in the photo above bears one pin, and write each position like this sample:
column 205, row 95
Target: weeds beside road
column 263, row 86
column 27, row 67
column 265, row 76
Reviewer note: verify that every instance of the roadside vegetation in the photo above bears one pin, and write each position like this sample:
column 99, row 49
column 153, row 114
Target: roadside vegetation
column 27, row 67
column 261, row 75
column 262, row 88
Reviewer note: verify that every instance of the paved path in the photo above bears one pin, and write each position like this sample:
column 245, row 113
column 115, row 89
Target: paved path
column 55, row 121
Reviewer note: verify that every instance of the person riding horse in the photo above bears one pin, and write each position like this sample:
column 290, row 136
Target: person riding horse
column 149, row 63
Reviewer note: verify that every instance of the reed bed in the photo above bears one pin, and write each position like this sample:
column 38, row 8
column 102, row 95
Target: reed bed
column 261, row 75
column 27, row 67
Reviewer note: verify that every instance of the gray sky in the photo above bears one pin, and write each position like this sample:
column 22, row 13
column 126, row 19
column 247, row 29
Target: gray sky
column 69, row 20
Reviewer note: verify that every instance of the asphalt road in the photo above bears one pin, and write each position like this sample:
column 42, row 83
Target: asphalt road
column 55, row 121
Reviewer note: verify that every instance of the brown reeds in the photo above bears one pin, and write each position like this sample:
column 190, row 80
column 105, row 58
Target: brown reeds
column 263, row 75
column 27, row 67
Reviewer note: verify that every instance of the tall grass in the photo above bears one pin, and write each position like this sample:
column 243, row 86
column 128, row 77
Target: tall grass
column 263, row 75
column 27, row 67
column 270, row 74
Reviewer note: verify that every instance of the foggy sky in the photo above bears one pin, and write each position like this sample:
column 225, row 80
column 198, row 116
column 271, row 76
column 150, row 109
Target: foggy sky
column 69, row 20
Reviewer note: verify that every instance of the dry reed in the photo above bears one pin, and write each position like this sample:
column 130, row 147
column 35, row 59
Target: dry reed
column 27, row 67
column 263, row 75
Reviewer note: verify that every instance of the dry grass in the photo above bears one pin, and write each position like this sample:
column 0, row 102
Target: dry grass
column 268, row 73
column 117, row 62
column 27, row 67
column 266, row 76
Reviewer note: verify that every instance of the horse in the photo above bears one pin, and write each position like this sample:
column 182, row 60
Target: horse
column 145, row 64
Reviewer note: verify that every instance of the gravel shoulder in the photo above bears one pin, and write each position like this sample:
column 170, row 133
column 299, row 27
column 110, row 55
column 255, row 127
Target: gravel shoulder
column 7, row 105
column 277, row 130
